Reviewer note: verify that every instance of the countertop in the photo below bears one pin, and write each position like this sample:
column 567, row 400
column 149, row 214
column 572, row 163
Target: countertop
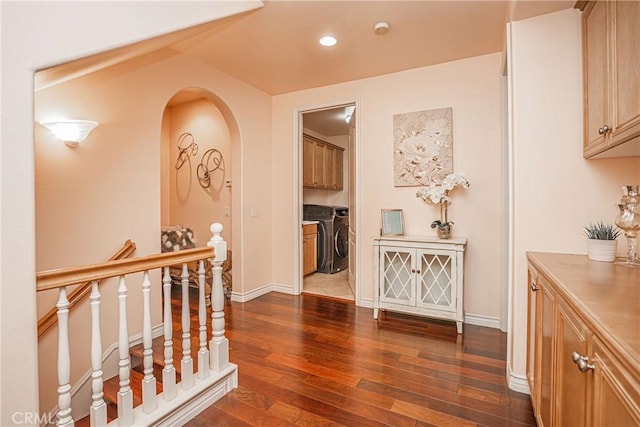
column 305, row 222
column 606, row 294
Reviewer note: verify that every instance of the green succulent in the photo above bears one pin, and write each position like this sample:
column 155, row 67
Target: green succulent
column 601, row 231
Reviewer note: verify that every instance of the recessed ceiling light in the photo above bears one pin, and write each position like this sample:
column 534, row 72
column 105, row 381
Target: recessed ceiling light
column 381, row 27
column 328, row 41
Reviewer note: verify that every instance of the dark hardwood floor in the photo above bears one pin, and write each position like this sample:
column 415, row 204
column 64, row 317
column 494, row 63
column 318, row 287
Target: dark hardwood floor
column 313, row 361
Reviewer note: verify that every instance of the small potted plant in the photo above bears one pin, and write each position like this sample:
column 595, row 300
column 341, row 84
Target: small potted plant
column 601, row 241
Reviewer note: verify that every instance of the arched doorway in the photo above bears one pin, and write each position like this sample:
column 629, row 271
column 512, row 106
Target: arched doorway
column 198, row 137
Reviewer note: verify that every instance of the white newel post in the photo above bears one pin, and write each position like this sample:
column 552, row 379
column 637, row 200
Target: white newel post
column 149, row 401
column 98, row 409
column 219, row 345
column 169, row 371
column 186, row 366
column 203, row 353
column 64, row 361
column 125, row 395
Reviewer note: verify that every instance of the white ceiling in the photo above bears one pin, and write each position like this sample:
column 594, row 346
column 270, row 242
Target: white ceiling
column 275, row 48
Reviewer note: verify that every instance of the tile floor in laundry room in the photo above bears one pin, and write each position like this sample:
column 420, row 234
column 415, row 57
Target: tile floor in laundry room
column 334, row 285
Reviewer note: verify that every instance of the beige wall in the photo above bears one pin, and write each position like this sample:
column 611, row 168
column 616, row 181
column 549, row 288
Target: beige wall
column 191, row 204
column 472, row 88
column 35, row 36
column 556, row 191
column 91, row 199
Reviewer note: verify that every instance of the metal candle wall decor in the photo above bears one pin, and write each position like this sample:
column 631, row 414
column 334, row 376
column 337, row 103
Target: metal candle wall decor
column 211, row 161
column 187, row 147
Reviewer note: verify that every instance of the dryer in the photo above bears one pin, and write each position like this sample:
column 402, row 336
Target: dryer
column 333, row 236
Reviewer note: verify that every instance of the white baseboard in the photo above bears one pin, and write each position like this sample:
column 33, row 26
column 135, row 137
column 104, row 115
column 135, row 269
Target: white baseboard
column 262, row 290
column 366, row 303
column 283, row 289
column 517, row 382
column 481, row 320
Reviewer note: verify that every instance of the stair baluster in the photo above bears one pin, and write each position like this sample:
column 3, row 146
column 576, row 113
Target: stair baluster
column 169, row 371
column 216, row 375
column 186, row 372
column 203, row 353
column 219, row 344
column 149, row 401
column 125, row 395
column 98, row 409
column 64, row 361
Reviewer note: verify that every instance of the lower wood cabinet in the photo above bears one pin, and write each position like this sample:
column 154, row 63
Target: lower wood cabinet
column 309, row 248
column 579, row 370
column 539, row 352
column 420, row 275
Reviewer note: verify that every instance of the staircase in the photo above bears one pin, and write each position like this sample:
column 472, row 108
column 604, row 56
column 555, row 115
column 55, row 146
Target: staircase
column 112, row 385
column 163, row 381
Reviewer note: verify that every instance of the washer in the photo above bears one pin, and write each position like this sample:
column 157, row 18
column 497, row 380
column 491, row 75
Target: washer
column 333, row 236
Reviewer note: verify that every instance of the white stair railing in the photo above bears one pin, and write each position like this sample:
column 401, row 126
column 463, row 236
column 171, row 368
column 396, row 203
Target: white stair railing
column 216, row 376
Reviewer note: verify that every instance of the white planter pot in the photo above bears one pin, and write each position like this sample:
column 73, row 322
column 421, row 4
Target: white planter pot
column 602, row 250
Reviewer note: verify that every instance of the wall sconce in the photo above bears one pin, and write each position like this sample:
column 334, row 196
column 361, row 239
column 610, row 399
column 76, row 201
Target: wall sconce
column 72, row 132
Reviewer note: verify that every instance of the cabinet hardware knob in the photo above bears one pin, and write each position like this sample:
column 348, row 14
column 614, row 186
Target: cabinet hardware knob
column 413, row 270
column 582, row 362
column 534, row 287
column 604, row 130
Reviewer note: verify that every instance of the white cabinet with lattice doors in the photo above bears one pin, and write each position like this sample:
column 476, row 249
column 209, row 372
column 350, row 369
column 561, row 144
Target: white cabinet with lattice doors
column 421, row 276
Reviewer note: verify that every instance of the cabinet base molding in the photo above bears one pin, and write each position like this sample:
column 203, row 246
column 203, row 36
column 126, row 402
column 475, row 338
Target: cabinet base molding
column 517, row 382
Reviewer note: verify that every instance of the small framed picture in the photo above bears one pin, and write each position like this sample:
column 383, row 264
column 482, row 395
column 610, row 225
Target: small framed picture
column 392, row 222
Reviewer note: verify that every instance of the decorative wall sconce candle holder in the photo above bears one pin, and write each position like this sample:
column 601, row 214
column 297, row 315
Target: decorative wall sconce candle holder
column 187, row 147
column 211, row 161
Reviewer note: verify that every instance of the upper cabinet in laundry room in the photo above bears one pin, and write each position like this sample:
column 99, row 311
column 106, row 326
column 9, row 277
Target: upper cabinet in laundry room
column 322, row 164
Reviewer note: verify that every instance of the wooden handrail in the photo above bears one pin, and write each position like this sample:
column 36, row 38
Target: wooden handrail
column 50, row 317
column 52, row 279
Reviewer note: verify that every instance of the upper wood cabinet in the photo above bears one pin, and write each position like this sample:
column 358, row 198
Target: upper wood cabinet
column 611, row 72
column 322, row 164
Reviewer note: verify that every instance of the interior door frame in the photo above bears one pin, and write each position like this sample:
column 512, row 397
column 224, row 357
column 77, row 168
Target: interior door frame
column 297, row 190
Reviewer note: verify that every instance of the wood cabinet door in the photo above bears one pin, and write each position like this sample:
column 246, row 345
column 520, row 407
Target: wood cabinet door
column 571, row 384
column 310, row 251
column 339, row 169
column 318, row 165
column 616, row 396
column 533, row 338
column 544, row 352
column 595, row 76
column 308, row 146
column 328, row 170
column 625, row 69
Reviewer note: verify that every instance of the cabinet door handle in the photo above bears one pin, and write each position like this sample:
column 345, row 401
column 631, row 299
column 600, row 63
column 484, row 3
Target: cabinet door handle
column 582, row 362
column 534, row 287
column 413, row 270
column 604, row 129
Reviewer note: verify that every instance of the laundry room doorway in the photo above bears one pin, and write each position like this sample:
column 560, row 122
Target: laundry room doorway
column 327, row 178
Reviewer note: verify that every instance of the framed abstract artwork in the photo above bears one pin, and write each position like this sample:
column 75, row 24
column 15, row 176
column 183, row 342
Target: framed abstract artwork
column 422, row 147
